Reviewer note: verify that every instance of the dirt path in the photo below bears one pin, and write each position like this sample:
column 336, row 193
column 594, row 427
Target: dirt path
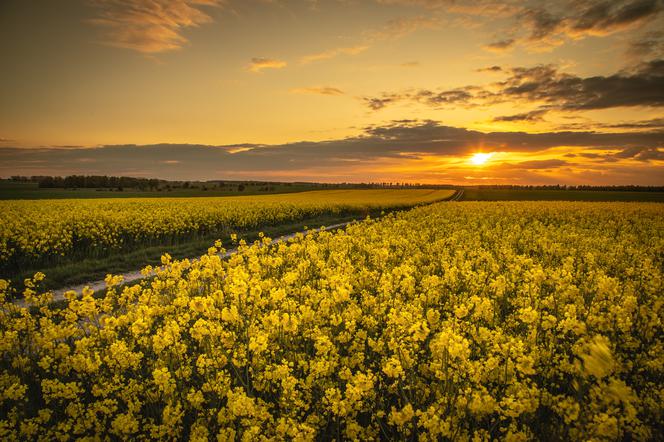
column 137, row 275
column 457, row 196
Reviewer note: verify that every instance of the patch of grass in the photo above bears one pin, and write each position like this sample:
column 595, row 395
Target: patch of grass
column 475, row 194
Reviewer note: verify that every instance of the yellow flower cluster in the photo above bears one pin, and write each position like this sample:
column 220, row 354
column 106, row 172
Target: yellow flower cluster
column 452, row 321
column 34, row 232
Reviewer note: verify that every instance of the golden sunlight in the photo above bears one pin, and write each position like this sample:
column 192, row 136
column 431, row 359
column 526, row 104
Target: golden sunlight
column 480, row 158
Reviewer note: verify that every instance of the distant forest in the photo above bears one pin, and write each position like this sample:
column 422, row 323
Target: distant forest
column 629, row 188
column 120, row 182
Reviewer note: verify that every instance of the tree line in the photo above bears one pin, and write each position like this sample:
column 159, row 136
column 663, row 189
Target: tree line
column 95, row 181
column 112, row 182
column 627, row 188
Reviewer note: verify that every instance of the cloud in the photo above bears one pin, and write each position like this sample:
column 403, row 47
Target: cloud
column 606, row 17
column 334, row 52
column 318, row 90
column 539, row 164
column 435, row 99
column 452, row 96
column 377, row 103
column 493, row 69
column 393, row 29
column 648, row 46
column 584, row 155
column 543, row 25
column 641, row 153
column 540, row 25
column 402, row 26
column 653, row 123
column 580, row 19
column 410, row 64
column 501, row 46
column 149, row 26
column 258, row 64
column 487, row 8
column 642, row 87
column 535, row 115
column 546, row 86
column 400, row 144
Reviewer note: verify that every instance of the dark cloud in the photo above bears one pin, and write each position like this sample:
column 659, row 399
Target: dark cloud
column 453, row 96
column 317, row 90
column 490, row 69
column 537, row 164
column 501, row 46
column 641, row 153
column 376, row 103
column 608, row 16
column 531, row 116
column 590, row 155
column 647, row 46
column 404, row 140
column 550, row 23
column 651, row 124
column 643, row 86
column 538, row 23
column 542, row 23
column 654, row 123
column 480, row 8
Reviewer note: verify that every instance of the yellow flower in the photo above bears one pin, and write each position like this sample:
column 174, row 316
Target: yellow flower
column 597, row 358
column 392, row 368
column 401, row 417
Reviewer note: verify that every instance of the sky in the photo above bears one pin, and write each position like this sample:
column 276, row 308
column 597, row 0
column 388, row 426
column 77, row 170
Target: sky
column 547, row 92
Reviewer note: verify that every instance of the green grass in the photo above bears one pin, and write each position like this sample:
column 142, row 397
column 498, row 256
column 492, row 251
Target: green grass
column 78, row 272
column 476, row 194
column 12, row 190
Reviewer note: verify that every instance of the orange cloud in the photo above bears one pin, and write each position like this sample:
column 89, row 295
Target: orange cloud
column 423, row 151
column 403, row 26
column 317, row 90
column 500, row 46
column 258, row 64
column 331, row 53
column 149, row 26
column 393, row 29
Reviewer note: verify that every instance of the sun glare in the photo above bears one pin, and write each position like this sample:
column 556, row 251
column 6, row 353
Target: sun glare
column 480, row 158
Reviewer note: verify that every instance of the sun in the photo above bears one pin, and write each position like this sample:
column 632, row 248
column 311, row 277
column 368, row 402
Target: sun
column 480, row 158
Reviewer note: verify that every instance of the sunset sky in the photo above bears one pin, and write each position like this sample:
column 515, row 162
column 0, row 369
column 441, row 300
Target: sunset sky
column 555, row 92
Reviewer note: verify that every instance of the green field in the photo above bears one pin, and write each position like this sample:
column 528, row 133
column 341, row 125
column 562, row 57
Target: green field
column 12, row 190
column 477, row 194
